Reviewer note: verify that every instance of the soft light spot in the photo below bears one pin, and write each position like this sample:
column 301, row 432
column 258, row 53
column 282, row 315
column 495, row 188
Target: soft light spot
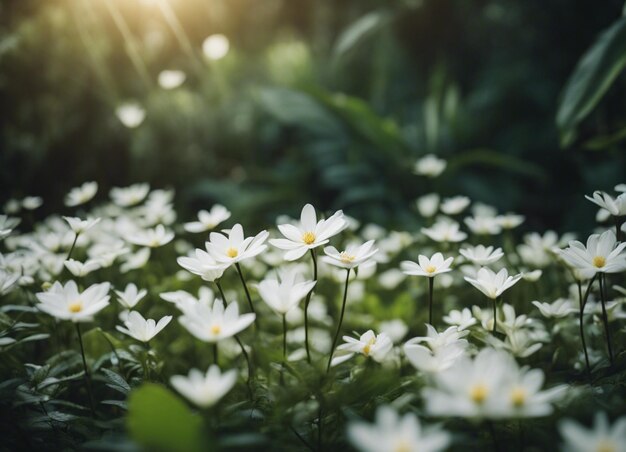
column 216, row 329
column 606, row 446
column 431, row 269
column 402, row 446
column 76, row 307
column 346, row 258
column 308, row 238
column 154, row 243
column 232, row 253
column 478, row 393
column 518, row 397
column 599, row 261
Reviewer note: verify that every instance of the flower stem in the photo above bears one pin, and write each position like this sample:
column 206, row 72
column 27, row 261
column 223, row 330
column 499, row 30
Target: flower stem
column 495, row 315
column 580, row 325
column 245, row 287
column 343, row 310
column 431, row 283
column 219, row 287
column 72, row 247
column 306, row 308
column 87, row 376
column 605, row 317
column 282, row 369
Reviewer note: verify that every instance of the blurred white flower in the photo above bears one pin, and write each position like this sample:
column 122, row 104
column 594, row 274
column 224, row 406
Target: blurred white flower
column 216, row 47
column 32, row 202
column 208, row 220
column 483, row 225
column 493, row 284
column 234, row 248
column 130, row 114
column 170, row 79
column 202, row 265
column 532, row 276
column 510, row 220
column 133, row 261
column 284, row 294
column 455, row 205
column 601, row 255
column 481, row 255
column 353, row 256
column 309, row 233
column 79, row 226
column 430, row 165
column 462, row 319
column 616, row 206
column 427, row 205
column 80, row 269
column 396, row 329
column 205, row 390
column 7, row 281
column 369, row 345
column 152, row 238
column 65, row 302
column 427, row 267
column 392, row 433
column 602, row 437
column 562, row 307
column 142, row 329
column 7, row 224
column 129, row 196
column 445, row 231
column 130, row 296
column 213, row 324
column 81, row 195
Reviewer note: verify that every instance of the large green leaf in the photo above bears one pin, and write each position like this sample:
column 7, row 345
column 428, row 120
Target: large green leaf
column 160, row 421
column 592, row 78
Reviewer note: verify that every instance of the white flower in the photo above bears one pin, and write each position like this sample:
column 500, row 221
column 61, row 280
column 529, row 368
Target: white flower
column 427, row 205
column 493, row 284
column 32, row 202
column 353, row 256
column 396, row 329
column 309, row 233
column 538, row 251
column 170, row 79
column 79, row 226
column 7, row 281
column 369, row 344
column 601, row 438
column 430, row 165
column 454, row 206
column 462, row 319
column 133, row 261
column 202, row 265
column 483, row 225
column 131, row 114
column 510, row 220
column 442, row 350
column 205, row 390
column 427, row 267
column 392, row 433
column 7, row 224
column 80, row 269
column 65, row 302
column 212, row 324
column 234, row 248
column 215, row 47
column 616, row 206
column 481, row 255
column 445, row 231
column 129, row 196
column 532, row 276
column 601, row 255
column 560, row 308
column 143, row 329
column 491, row 386
column 81, row 195
column 130, row 296
column 152, row 238
column 208, row 220
column 284, row 294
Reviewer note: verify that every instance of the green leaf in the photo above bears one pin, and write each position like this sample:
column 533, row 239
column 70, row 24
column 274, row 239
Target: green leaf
column 490, row 158
column 116, row 381
column 593, row 76
column 359, row 31
column 160, row 421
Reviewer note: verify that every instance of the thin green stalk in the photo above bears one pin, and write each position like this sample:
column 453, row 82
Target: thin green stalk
column 72, row 247
column 282, row 369
column 580, row 325
column 605, row 317
column 245, row 287
column 495, row 315
column 431, row 283
column 343, row 309
column 582, row 311
column 219, row 287
column 87, row 376
column 306, row 308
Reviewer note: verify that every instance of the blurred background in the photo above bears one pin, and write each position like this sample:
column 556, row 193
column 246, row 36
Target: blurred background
column 265, row 105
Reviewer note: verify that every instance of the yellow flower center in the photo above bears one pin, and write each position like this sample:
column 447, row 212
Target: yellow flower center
column 431, row 269
column 346, row 258
column 478, row 393
column 518, row 397
column 216, row 329
column 232, row 253
column 368, row 346
column 76, row 307
column 606, row 446
column 599, row 261
column 154, row 243
column 308, row 238
column 402, row 446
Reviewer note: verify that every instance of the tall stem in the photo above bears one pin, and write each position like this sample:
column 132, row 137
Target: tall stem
column 87, row 376
column 431, row 283
column 72, row 247
column 245, row 287
column 306, row 308
column 219, row 287
column 343, row 310
column 282, row 369
column 605, row 317
column 495, row 315
column 580, row 325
